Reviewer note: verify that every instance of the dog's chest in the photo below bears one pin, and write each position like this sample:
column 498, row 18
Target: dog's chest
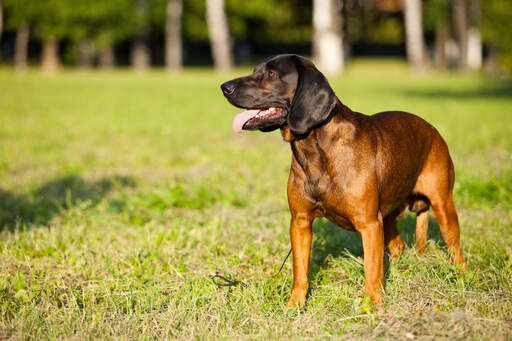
column 328, row 199
column 319, row 179
column 318, row 187
column 323, row 180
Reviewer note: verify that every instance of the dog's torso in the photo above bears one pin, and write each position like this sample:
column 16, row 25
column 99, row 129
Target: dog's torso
column 357, row 158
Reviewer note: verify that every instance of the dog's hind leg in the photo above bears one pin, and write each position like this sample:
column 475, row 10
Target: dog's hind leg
column 436, row 183
column 446, row 215
column 420, row 206
column 392, row 238
column 422, row 230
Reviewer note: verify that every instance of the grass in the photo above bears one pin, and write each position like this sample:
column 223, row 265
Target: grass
column 121, row 195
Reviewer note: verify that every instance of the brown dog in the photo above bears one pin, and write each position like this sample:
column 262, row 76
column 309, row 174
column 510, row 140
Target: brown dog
column 360, row 172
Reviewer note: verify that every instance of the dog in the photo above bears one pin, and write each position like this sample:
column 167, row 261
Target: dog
column 360, row 172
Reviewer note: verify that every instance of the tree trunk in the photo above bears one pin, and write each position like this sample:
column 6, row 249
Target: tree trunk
column 21, row 48
column 140, row 54
column 474, row 48
column 415, row 45
column 173, row 50
column 442, row 35
column 107, row 59
column 50, row 57
column 474, row 36
column 85, row 54
column 327, row 35
column 220, row 40
column 460, row 21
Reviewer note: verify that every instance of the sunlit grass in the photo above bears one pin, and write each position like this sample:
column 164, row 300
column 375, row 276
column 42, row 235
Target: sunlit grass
column 121, row 194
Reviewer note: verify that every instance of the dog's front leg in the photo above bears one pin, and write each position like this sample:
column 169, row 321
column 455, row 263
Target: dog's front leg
column 372, row 235
column 301, row 234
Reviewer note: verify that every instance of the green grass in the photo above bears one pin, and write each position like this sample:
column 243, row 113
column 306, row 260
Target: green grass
column 120, row 195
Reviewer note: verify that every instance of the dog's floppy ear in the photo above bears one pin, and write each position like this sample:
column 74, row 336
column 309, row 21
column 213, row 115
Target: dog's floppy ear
column 313, row 100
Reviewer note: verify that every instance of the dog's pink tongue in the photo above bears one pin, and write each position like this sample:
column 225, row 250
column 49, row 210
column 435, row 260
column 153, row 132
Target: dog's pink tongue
column 240, row 119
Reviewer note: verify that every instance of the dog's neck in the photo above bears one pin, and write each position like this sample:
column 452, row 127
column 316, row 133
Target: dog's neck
column 314, row 152
column 341, row 118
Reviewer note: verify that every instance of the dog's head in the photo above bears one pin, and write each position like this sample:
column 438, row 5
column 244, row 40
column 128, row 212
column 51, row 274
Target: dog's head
column 282, row 90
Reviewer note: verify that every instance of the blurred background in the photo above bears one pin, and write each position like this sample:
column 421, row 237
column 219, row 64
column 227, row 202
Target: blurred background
column 456, row 34
column 123, row 187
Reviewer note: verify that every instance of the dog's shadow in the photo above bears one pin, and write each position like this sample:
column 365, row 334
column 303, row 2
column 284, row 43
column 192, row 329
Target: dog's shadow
column 331, row 241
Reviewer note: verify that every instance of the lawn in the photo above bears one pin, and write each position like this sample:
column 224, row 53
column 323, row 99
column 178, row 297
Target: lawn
column 122, row 194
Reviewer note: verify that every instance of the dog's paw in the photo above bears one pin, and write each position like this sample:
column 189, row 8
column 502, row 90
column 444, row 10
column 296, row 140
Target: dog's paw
column 395, row 248
column 297, row 298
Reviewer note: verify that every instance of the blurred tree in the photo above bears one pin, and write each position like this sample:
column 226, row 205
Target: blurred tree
column 465, row 17
column 437, row 14
column 220, row 40
column 140, row 54
column 474, row 56
column 173, row 44
column 77, row 33
column 1, row 20
column 278, row 21
column 21, row 47
column 415, row 45
column 86, row 53
column 52, row 22
column 374, row 22
column 460, row 24
column 107, row 57
column 108, row 23
column 80, row 33
column 496, row 31
column 50, row 60
column 328, row 35
column 194, row 23
column 19, row 14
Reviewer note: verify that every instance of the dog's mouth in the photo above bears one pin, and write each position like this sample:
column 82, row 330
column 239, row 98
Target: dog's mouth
column 257, row 118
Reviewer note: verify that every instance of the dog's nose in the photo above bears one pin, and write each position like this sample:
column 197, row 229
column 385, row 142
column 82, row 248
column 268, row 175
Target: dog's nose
column 228, row 88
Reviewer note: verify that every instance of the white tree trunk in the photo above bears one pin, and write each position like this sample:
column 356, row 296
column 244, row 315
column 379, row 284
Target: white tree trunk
column 220, row 40
column 474, row 48
column 414, row 43
column 50, row 56
column 173, row 49
column 328, row 35
column 474, row 37
column 21, row 48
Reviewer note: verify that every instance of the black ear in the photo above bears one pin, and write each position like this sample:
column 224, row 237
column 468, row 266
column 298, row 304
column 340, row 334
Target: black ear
column 313, row 100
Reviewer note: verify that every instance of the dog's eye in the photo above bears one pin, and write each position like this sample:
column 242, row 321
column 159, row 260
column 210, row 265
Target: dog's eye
column 272, row 74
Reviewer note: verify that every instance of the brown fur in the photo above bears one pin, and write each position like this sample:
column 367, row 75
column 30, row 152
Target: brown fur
column 360, row 172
